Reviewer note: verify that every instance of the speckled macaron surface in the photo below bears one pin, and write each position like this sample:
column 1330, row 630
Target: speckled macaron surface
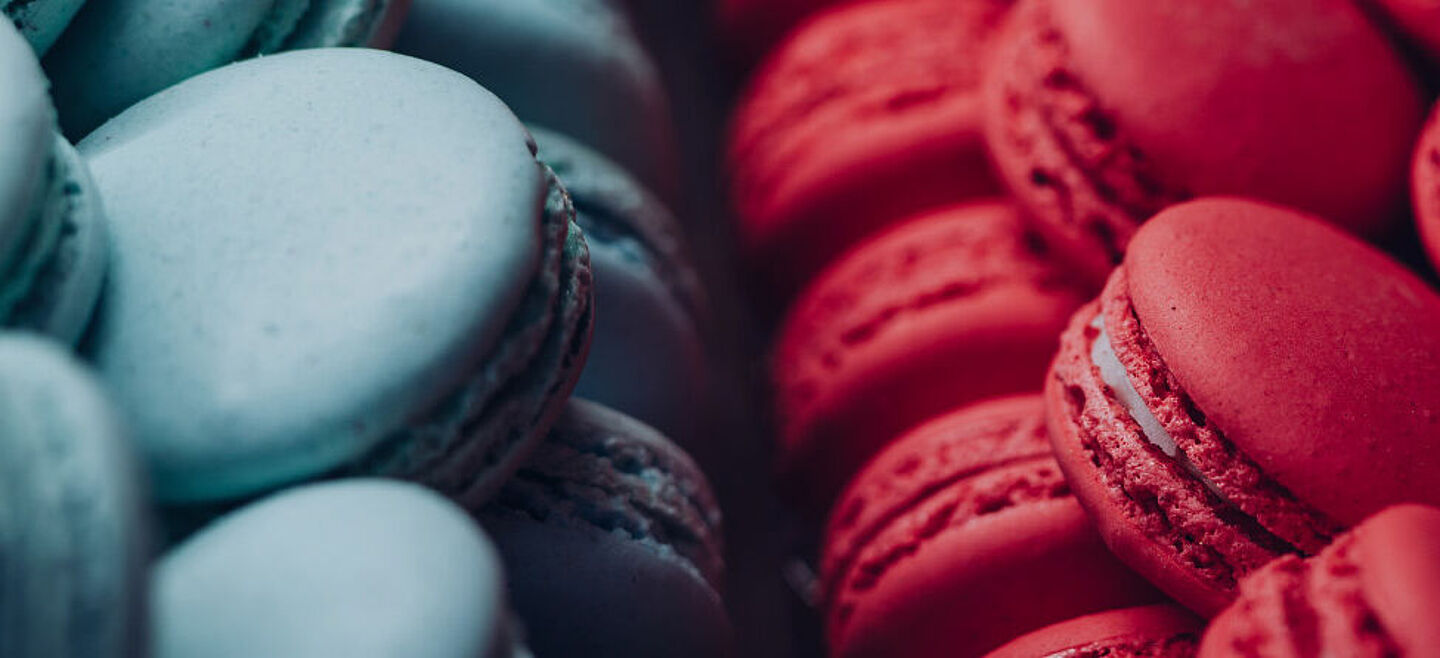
column 41, row 21
column 361, row 568
column 73, row 537
column 334, row 260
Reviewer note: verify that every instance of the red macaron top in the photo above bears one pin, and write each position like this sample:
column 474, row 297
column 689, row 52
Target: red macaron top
column 1157, row 631
column 1302, row 102
column 1315, row 355
column 1401, row 575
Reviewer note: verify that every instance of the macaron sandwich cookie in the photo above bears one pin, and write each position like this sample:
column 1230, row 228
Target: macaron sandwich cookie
column 948, row 308
column 1251, row 382
column 647, row 358
column 611, row 539
column 1371, row 594
column 573, row 66
column 52, row 245
column 1099, row 114
column 330, row 262
column 1156, row 631
column 867, row 114
column 962, row 535
column 73, row 537
column 117, row 52
column 40, row 21
column 365, row 568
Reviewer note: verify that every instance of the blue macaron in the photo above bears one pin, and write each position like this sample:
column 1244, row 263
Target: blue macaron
column 363, row 568
column 332, row 262
column 573, row 66
column 117, row 52
column 73, row 535
column 647, row 359
column 52, row 245
column 611, row 539
column 41, row 21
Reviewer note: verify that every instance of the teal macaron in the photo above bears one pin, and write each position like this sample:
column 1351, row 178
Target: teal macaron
column 334, row 262
column 73, row 534
column 41, row 21
column 117, row 52
column 362, row 568
column 52, row 246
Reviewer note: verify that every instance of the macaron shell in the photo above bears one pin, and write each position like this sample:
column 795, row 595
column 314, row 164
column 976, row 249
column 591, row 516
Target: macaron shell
column 1119, row 633
column 29, row 122
column 1401, row 575
column 1417, row 19
column 41, row 21
column 1310, row 395
column 313, row 273
column 1425, row 186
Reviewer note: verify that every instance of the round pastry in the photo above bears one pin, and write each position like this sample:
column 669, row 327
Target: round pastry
column 41, row 21
column 334, row 261
column 117, row 52
column 1371, row 594
column 1250, row 382
column 647, row 359
column 961, row 535
column 359, row 568
column 1158, row 631
column 866, row 115
column 73, row 537
column 52, row 231
column 611, row 538
column 1099, row 114
column 948, row 308
column 573, row 66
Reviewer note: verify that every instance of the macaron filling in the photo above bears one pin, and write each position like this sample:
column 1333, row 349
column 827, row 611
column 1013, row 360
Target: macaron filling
column 484, row 423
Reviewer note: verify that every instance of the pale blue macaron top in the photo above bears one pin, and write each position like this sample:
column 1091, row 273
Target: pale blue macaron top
column 73, row 536
column 354, row 568
column 41, row 21
column 117, row 52
column 325, row 254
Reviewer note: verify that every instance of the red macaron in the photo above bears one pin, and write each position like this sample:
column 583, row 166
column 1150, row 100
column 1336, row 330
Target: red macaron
column 1101, row 113
column 1250, row 382
column 962, row 535
column 1158, row 631
column 1374, row 593
column 951, row 307
column 1418, row 20
column 868, row 113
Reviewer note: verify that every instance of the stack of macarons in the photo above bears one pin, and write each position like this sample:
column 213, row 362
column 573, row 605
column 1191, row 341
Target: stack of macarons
column 930, row 191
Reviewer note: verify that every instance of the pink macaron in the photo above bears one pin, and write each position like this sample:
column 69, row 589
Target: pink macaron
column 1157, row 631
column 1101, row 113
column 1417, row 20
column 1250, row 383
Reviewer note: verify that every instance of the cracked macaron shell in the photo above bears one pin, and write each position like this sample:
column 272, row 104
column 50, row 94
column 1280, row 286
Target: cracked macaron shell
column 613, row 542
column 1370, row 594
column 1157, row 631
column 1276, row 370
column 947, row 308
column 867, row 114
column 963, row 535
column 1306, row 104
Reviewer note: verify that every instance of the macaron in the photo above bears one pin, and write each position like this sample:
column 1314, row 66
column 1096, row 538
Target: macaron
column 329, row 262
column 647, row 358
column 867, row 114
column 948, row 308
column 1250, row 383
column 1157, row 631
column 961, row 535
column 1417, row 20
column 73, row 534
column 751, row 28
column 1373, row 593
column 611, row 539
column 52, row 245
column 574, row 67
column 117, row 52
column 362, row 568
column 1100, row 114
column 1425, row 186
column 41, row 21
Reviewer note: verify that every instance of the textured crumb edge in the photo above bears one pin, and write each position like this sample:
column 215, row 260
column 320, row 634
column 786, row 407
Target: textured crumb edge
column 1182, row 645
column 1303, row 608
column 1059, row 149
column 475, row 439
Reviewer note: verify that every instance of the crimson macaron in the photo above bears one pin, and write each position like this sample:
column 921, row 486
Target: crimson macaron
column 868, row 113
column 1374, row 593
column 1418, row 20
column 948, row 308
column 962, row 535
column 1250, row 382
column 1101, row 113
column 1157, row 631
